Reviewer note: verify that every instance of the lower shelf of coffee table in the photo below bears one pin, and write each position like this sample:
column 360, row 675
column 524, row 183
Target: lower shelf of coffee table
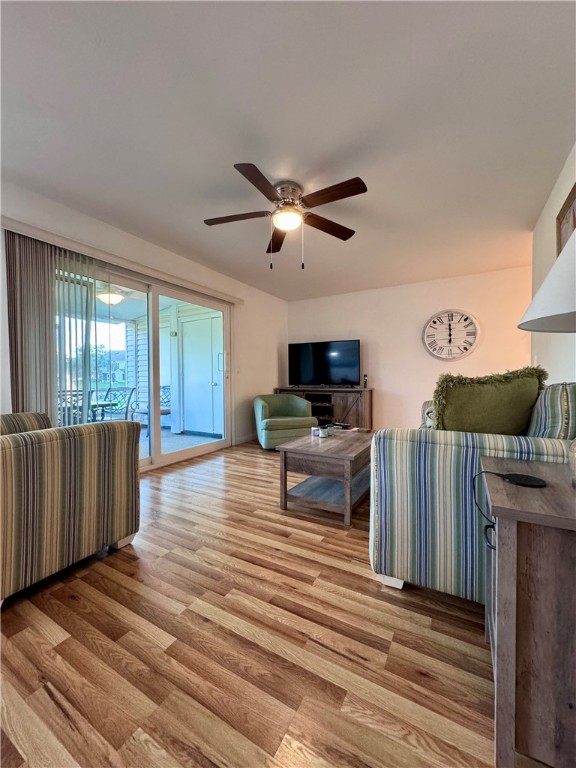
column 328, row 493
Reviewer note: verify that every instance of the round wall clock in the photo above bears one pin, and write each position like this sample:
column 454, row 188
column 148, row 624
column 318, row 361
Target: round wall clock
column 450, row 334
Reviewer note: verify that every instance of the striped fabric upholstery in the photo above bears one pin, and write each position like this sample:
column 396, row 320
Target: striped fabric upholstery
column 427, row 414
column 554, row 414
column 11, row 423
column 424, row 528
column 66, row 493
column 571, row 403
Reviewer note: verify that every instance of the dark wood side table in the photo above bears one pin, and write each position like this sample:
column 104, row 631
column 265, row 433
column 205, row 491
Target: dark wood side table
column 531, row 613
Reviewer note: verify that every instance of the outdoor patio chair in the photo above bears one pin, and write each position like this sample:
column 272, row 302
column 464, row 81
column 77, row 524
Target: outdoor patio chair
column 142, row 408
column 70, row 406
column 114, row 406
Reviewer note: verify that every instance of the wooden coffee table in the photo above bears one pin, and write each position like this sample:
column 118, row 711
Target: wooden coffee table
column 339, row 466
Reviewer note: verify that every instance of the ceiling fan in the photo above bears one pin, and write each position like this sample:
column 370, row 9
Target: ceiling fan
column 292, row 207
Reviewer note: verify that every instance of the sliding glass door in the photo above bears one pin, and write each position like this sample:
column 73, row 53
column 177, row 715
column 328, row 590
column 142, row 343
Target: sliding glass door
column 191, row 373
column 126, row 350
column 119, row 346
column 102, row 350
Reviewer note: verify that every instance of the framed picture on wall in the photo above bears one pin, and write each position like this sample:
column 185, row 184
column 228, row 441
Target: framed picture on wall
column 566, row 221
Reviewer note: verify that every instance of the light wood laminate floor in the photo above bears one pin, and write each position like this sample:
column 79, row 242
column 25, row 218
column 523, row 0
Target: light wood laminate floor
column 231, row 634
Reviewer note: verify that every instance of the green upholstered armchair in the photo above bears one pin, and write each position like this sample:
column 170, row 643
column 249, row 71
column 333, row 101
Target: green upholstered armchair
column 282, row 417
column 67, row 492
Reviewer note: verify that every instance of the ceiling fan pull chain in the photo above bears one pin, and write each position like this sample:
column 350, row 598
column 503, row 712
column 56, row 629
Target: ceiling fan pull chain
column 271, row 233
column 302, row 241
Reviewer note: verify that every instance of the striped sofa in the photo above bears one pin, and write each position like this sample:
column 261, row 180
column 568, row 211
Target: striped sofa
column 424, row 526
column 66, row 492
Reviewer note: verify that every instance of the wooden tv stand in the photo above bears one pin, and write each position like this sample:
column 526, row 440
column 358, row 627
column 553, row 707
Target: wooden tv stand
column 349, row 405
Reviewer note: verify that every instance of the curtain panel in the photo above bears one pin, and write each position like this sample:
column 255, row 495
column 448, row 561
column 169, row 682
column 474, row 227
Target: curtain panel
column 51, row 295
column 30, row 270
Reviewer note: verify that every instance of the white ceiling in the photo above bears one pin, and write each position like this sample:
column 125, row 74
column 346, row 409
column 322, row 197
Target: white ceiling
column 457, row 115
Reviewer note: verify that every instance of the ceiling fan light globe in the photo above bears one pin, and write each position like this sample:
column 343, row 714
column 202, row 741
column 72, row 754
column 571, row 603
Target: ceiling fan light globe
column 287, row 219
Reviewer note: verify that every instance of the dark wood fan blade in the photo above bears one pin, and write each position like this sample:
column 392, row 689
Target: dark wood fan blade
column 337, row 192
column 257, row 178
column 237, row 217
column 276, row 241
column 330, row 227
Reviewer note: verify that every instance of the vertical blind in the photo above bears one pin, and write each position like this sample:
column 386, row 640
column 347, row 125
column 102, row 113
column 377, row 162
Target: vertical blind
column 75, row 296
column 51, row 311
column 30, row 269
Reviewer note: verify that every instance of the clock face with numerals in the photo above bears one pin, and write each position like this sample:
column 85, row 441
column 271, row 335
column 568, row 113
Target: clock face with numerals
column 450, row 334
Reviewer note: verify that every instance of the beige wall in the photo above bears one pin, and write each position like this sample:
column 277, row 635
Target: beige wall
column 389, row 321
column 259, row 325
column 556, row 352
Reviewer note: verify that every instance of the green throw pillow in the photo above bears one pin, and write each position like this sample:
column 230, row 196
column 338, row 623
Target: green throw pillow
column 500, row 404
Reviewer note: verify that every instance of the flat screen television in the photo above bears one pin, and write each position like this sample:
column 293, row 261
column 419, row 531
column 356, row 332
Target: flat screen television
column 324, row 363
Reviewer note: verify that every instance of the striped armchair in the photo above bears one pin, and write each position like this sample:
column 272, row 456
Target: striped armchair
column 66, row 493
column 424, row 526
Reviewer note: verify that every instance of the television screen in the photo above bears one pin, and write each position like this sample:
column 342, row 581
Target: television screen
column 328, row 363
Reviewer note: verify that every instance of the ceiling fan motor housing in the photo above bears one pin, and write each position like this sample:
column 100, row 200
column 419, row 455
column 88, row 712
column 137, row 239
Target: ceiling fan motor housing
column 290, row 192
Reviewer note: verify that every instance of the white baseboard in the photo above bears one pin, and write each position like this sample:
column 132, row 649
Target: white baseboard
column 238, row 440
